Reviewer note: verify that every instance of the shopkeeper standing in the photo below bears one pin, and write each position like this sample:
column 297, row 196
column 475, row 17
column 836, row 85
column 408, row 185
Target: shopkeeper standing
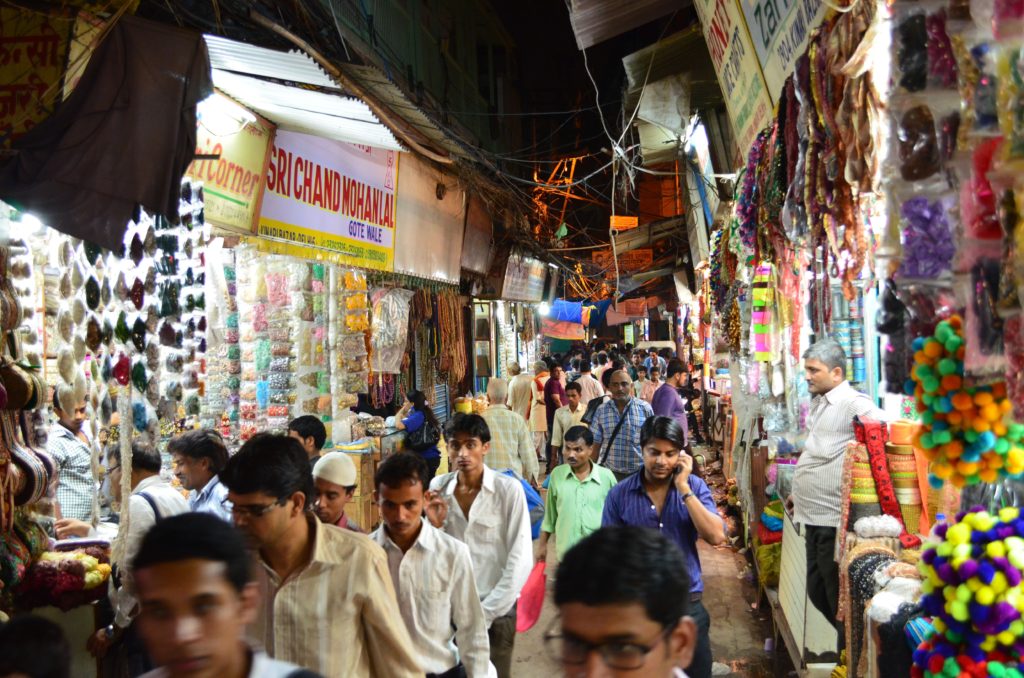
column 817, row 482
column 414, row 415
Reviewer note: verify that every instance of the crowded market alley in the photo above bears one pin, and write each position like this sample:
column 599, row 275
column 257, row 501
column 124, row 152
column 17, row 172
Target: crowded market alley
column 469, row 338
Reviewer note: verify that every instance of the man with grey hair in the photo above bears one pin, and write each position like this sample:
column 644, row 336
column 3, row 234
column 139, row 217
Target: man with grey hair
column 817, row 483
column 511, row 444
column 520, row 391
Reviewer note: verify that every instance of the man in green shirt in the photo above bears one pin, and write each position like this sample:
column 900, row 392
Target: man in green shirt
column 576, row 492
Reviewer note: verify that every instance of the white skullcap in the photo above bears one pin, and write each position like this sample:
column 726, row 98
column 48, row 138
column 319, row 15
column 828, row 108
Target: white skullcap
column 337, row 468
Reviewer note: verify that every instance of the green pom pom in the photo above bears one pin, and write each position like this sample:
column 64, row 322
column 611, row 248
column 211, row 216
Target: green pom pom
column 927, row 441
column 970, row 435
column 942, row 437
column 930, row 384
column 953, row 344
column 943, row 332
column 1015, row 431
column 1002, row 446
column 947, row 366
column 996, row 670
column 928, row 399
column 928, row 417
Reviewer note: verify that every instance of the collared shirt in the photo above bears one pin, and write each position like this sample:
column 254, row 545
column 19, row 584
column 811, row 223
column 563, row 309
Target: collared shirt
column 668, row 403
column 511, row 443
column 76, row 485
column 662, row 364
column 346, row 524
column 497, row 533
column 520, row 393
column 565, row 419
column 573, row 508
column 818, row 478
column 591, row 388
column 261, row 666
column 169, row 502
column 210, row 500
column 625, row 455
column 638, row 386
column 538, row 413
column 649, row 389
column 338, row 614
column 628, row 504
column 554, row 397
column 438, row 600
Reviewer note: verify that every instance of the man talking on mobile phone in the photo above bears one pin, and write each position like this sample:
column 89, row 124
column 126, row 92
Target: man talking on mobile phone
column 663, row 495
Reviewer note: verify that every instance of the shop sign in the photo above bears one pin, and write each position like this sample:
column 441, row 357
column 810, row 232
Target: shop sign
column 779, row 30
column 633, row 261
column 33, row 49
column 232, row 183
column 739, row 72
column 621, row 222
column 333, row 199
column 524, row 279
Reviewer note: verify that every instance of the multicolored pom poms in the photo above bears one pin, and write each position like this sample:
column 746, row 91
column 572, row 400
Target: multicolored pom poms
column 972, row 590
column 966, row 431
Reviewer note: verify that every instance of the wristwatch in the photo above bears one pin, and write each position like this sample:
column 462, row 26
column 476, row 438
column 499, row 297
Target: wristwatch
column 688, row 495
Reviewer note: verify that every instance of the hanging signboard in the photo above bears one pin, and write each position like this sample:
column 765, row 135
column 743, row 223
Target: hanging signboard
column 524, row 279
column 621, row 222
column 739, row 73
column 232, row 183
column 33, row 50
column 633, row 261
column 779, row 30
column 329, row 199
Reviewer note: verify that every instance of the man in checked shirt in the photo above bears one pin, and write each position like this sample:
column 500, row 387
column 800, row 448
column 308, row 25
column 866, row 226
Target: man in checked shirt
column 818, row 480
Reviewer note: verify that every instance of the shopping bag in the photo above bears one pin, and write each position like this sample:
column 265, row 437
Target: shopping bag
column 531, row 599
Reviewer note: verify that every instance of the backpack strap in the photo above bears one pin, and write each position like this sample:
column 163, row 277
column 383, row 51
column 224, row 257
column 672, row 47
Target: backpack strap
column 152, row 504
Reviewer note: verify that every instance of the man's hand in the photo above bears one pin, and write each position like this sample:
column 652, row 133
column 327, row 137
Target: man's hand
column 69, row 527
column 99, row 643
column 683, row 476
column 789, row 504
column 437, row 509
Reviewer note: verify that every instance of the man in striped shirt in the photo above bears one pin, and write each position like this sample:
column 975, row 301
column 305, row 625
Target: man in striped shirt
column 817, row 482
column 616, row 427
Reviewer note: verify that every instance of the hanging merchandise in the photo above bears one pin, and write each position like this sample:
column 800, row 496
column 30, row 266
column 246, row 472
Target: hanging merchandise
column 389, row 329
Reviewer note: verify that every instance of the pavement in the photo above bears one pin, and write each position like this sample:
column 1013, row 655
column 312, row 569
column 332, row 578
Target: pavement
column 738, row 631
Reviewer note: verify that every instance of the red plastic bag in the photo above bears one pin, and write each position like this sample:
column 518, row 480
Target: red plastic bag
column 531, row 599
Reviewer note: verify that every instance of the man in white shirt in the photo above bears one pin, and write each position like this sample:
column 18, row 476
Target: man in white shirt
column 623, row 596
column 196, row 594
column 520, row 391
column 198, row 457
column 818, row 479
column 567, row 416
column 432, row 573
column 152, row 500
column 497, row 530
column 590, row 387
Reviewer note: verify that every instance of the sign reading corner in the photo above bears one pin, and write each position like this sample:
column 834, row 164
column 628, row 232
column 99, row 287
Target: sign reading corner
column 326, row 197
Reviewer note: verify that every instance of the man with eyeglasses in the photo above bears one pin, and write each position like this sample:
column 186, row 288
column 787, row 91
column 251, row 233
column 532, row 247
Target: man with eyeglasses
column 486, row 511
column 623, row 599
column 330, row 605
column 665, row 496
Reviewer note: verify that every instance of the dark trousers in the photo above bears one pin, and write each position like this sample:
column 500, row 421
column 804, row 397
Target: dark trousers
column 823, row 573
column 502, row 635
column 432, row 465
column 459, row 671
column 553, row 454
column 700, row 666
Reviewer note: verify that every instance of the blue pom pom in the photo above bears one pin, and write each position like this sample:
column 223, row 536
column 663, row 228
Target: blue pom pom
column 935, row 482
column 918, row 343
column 985, row 571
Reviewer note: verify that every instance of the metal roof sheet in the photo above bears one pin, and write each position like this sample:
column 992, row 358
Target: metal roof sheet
column 241, row 57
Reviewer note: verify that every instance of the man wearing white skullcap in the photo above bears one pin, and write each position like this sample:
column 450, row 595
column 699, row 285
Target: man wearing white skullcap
column 334, row 476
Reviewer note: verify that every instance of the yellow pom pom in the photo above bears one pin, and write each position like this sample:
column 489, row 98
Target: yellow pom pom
column 973, row 584
column 995, row 549
column 988, row 644
column 958, row 534
column 959, row 611
column 1006, row 638
column 999, row 582
column 985, row 595
column 941, row 469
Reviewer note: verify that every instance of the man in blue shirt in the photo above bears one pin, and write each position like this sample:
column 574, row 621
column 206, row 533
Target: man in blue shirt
column 616, row 426
column 664, row 496
column 199, row 456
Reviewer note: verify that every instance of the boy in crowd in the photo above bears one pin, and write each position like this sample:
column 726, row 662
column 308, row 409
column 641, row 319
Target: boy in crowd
column 311, row 432
column 432, row 573
column 576, row 494
column 199, row 456
column 622, row 600
column 335, row 482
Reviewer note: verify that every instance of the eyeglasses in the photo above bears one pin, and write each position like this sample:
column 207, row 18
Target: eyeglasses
column 251, row 510
column 615, row 654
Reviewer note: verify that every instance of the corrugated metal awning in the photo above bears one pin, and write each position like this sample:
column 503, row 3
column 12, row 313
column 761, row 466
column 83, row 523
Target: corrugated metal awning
column 257, row 77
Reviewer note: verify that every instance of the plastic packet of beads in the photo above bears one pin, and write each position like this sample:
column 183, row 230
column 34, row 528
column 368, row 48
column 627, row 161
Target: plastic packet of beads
column 357, row 322
column 262, row 394
column 281, row 379
column 356, row 383
column 915, row 146
column 231, row 336
column 277, row 423
column 309, row 379
column 355, row 281
column 246, row 431
column 231, row 320
column 280, row 348
column 308, row 405
column 259, row 317
column 278, row 293
column 357, row 364
column 910, row 49
column 262, row 355
column 234, row 367
column 346, row 400
column 1010, row 101
column 354, row 302
column 984, row 354
column 352, row 344
column 229, row 273
column 926, row 227
column 280, row 364
column 234, row 352
column 324, row 404
column 277, row 411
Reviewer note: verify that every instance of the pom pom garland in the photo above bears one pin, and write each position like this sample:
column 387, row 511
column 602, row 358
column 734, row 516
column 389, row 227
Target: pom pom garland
column 972, row 589
column 965, row 430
